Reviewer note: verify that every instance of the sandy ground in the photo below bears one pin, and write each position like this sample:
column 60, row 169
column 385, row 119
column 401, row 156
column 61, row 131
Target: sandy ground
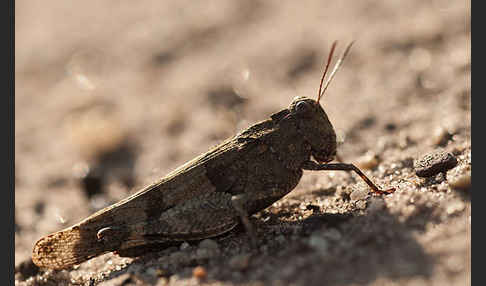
column 111, row 96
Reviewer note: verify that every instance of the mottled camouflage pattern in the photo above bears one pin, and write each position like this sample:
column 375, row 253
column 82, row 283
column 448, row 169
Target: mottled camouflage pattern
column 263, row 163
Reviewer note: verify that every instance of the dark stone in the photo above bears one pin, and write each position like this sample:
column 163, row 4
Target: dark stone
column 434, row 163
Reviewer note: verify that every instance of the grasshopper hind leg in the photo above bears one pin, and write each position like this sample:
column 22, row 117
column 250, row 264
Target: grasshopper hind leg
column 136, row 246
column 147, row 247
column 196, row 219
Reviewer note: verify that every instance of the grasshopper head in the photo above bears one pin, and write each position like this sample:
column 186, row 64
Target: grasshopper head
column 312, row 122
column 314, row 126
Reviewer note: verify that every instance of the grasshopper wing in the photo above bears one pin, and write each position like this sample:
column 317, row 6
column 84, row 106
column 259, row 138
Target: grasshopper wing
column 130, row 218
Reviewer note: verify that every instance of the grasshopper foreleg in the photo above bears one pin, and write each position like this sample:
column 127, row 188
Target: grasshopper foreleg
column 313, row 166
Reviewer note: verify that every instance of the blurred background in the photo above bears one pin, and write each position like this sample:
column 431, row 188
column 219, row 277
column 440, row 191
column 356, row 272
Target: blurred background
column 112, row 95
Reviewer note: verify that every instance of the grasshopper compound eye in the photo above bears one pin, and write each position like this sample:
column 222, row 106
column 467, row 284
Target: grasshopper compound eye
column 302, row 107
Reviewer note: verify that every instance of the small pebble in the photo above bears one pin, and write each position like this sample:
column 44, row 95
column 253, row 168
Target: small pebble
column 205, row 253
column 441, row 137
column 162, row 273
column 368, row 161
column 359, row 194
column 407, row 162
column 404, row 141
column 455, row 207
column 209, row 244
column 461, row 182
column 333, row 234
column 151, row 272
column 179, row 258
column 457, row 150
column 361, row 205
column 199, row 272
column 240, row 262
column 434, row 163
column 184, row 245
column 343, row 193
column 376, row 204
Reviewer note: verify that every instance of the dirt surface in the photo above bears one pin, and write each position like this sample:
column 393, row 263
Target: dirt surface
column 111, row 96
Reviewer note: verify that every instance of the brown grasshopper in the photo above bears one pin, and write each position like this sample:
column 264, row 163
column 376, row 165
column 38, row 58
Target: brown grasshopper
column 212, row 193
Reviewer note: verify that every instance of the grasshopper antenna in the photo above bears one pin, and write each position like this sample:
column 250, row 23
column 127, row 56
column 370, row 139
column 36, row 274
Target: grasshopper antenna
column 325, row 70
column 336, row 67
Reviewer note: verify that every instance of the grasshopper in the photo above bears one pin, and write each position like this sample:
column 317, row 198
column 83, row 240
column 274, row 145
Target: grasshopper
column 211, row 194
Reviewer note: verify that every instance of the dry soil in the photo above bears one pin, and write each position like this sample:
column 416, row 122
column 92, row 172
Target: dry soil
column 110, row 96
